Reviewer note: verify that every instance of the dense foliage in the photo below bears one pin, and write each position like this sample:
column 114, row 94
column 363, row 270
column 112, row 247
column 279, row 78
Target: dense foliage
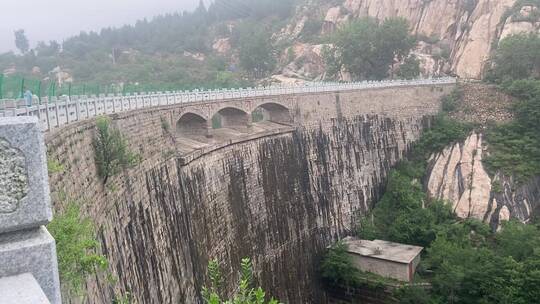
column 404, row 214
column 465, row 261
column 368, row 48
column 515, row 146
column 76, row 247
column 516, row 57
column 245, row 293
column 337, row 268
column 111, row 150
column 409, row 69
column 256, row 52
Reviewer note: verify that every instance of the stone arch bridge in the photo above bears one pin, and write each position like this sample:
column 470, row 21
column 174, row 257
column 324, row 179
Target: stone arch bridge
column 200, row 120
column 234, row 105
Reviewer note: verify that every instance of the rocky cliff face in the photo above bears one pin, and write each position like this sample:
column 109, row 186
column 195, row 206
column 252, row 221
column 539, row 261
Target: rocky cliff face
column 455, row 36
column 457, row 175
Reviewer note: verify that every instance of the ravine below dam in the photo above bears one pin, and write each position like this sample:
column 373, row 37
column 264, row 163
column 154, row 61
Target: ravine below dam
column 278, row 194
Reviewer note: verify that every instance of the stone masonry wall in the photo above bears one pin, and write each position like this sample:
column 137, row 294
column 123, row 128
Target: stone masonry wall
column 278, row 199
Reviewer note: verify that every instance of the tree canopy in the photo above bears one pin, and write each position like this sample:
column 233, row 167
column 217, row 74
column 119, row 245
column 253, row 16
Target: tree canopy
column 368, row 48
column 516, row 57
column 21, row 42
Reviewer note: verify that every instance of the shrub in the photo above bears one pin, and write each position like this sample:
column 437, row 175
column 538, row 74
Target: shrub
column 451, row 102
column 111, row 150
column 515, row 147
column 311, row 29
column 76, row 247
column 165, row 125
column 337, row 267
column 245, row 293
column 444, row 131
column 410, row 68
column 413, row 295
column 54, row 166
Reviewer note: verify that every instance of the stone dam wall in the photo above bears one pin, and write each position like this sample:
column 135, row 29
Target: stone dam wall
column 279, row 198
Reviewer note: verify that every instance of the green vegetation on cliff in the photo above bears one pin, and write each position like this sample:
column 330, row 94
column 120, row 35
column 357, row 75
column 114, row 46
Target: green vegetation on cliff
column 515, row 146
column 465, row 261
column 77, row 248
column 516, row 57
column 111, row 150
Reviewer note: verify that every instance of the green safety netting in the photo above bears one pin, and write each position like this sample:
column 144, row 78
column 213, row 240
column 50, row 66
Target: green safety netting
column 13, row 87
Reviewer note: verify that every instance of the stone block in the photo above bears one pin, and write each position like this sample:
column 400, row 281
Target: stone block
column 21, row 289
column 31, row 251
column 24, row 184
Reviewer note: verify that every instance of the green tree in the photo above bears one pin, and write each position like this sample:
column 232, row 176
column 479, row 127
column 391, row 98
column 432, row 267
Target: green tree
column 517, row 240
column 256, row 52
column 368, row 48
column 410, row 68
column 21, row 42
column 465, row 273
column 516, row 57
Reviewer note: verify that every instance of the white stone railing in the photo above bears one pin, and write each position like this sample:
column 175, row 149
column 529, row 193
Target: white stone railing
column 57, row 112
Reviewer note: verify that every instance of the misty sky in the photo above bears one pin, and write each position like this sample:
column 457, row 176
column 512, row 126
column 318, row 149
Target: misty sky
column 58, row 19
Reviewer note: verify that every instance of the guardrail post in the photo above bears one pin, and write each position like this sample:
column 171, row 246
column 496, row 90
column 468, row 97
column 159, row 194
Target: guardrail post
column 77, row 109
column 56, row 113
column 67, row 110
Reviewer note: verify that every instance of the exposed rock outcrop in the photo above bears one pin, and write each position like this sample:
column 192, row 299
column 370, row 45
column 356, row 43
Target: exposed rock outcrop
column 458, row 176
column 222, row 46
column 306, row 61
column 466, row 29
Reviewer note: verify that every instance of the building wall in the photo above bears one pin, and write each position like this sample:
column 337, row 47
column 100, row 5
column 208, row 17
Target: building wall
column 279, row 199
column 387, row 269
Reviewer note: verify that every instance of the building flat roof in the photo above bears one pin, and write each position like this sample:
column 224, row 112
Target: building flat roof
column 384, row 250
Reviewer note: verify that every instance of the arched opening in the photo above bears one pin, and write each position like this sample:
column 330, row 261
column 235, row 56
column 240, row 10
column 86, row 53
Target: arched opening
column 272, row 112
column 191, row 125
column 231, row 118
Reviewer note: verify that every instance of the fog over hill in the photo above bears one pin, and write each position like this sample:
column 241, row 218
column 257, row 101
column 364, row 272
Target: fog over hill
column 59, row 19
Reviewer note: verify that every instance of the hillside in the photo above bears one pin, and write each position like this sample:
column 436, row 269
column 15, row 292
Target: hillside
column 241, row 42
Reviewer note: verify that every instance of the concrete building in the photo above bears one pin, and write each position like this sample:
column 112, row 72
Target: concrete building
column 388, row 259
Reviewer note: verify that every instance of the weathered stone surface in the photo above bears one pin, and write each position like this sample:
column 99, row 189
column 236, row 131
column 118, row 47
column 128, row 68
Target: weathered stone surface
column 279, row 199
column 457, row 174
column 21, row 289
column 24, row 187
column 31, row 251
column 14, row 180
column 467, row 29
